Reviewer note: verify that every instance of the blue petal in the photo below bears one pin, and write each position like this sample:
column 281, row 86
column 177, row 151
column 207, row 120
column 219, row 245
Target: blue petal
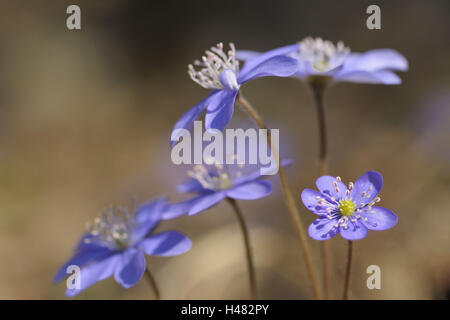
column 370, row 183
column 323, row 229
column 190, row 185
column 250, row 191
column 188, row 118
column 131, row 267
column 206, row 201
column 245, row 55
column 379, row 219
column 326, row 187
column 310, row 201
column 256, row 174
column 354, row 231
column 169, row 243
column 374, row 60
column 94, row 272
column 375, row 77
column 228, row 80
column 220, row 110
column 278, row 66
column 175, row 210
column 259, row 58
column 82, row 257
column 147, row 217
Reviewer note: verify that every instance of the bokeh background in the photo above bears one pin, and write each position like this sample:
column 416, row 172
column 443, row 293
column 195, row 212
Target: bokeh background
column 85, row 119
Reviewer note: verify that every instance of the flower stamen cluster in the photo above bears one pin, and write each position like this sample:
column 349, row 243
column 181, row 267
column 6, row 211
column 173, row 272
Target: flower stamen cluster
column 323, row 54
column 111, row 228
column 213, row 175
column 212, row 63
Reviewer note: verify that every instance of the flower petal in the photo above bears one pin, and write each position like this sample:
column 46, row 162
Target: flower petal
column 175, row 210
column 190, row 185
column 206, row 201
column 375, row 77
column 323, row 229
column 278, row 66
column 256, row 174
column 188, row 118
column 245, row 55
column 82, row 257
column 254, row 59
column 355, row 230
column 220, row 110
column 94, row 272
column 374, row 60
column 309, row 199
column 379, row 219
column 366, row 188
column 228, row 80
column 325, row 184
column 250, row 191
column 131, row 267
column 169, row 243
column 148, row 215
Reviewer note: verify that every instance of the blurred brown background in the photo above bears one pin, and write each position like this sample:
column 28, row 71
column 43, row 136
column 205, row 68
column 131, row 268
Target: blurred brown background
column 85, row 119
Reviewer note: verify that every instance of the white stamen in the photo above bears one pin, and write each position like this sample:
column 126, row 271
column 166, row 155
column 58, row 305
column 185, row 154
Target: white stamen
column 323, row 55
column 214, row 62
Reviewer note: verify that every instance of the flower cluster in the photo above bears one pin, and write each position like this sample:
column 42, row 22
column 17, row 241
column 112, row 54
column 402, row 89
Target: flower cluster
column 116, row 243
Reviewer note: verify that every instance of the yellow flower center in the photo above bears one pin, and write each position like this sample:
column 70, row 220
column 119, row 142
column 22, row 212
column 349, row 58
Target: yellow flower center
column 347, row 207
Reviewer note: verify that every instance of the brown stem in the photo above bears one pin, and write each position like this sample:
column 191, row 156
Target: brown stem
column 248, row 248
column 318, row 88
column 153, row 284
column 288, row 197
column 347, row 272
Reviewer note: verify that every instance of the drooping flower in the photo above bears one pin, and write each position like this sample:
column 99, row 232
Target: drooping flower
column 219, row 71
column 214, row 182
column 116, row 242
column 322, row 60
column 349, row 211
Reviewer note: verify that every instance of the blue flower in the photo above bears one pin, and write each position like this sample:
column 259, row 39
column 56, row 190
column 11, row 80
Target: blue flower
column 350, row 212
column 319, row 59
column 213, row 183
column 219, row 71
column 116, row 242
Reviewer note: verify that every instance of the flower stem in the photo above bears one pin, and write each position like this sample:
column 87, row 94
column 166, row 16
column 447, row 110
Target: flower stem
column 153, row 284
column 248, row 248
column 288, row 197
column 318, row 88
column 348, row 269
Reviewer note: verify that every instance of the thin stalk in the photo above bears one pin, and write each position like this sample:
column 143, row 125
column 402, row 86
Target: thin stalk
column 248, row 248
column 152, row 284
column 318, row 89
column 348, row 270
column 288, row 197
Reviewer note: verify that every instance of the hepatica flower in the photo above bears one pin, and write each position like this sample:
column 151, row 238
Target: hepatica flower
column 323, row 60
column 349, row 211
column 219, row 72
column 116, row 242
column 214, row 182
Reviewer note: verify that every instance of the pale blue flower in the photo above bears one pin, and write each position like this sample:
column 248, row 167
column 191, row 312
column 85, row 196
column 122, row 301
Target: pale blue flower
column 317, row 58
